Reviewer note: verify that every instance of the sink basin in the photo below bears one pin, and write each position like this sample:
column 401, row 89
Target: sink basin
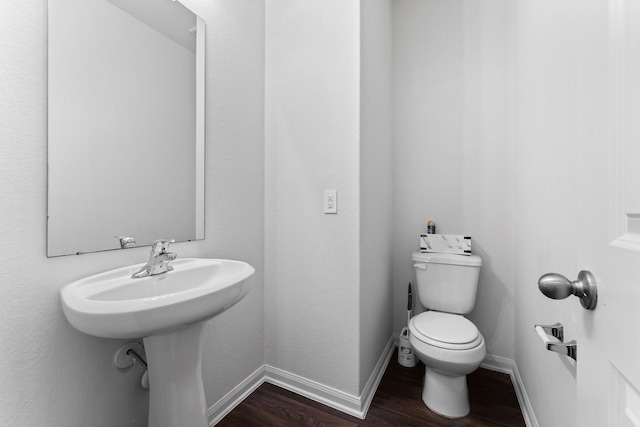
column 169, row 311
column 113, row 305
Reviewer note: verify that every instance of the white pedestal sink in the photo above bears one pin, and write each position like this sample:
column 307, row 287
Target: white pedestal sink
column 167, row 310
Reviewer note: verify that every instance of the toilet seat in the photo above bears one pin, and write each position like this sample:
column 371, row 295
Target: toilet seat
column 445, row 330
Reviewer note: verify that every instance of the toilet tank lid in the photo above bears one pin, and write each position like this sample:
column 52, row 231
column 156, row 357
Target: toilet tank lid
column 440, row 258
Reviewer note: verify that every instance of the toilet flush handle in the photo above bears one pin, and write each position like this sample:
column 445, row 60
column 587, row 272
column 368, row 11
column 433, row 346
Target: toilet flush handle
column 420, row 266
column 556, row 286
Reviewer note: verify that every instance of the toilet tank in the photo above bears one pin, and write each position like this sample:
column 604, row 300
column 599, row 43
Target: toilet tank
column 447, row 282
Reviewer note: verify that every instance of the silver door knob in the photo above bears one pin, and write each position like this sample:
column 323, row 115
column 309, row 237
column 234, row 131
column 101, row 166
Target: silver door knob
column 556, row 286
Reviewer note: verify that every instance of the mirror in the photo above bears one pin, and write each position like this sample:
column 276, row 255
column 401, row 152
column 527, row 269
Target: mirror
column 126, row 124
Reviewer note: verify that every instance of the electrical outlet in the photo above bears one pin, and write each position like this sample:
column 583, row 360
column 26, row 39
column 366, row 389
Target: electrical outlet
column 330, row 201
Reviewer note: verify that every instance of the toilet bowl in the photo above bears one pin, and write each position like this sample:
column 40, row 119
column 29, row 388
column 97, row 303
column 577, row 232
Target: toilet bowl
column 450, row 346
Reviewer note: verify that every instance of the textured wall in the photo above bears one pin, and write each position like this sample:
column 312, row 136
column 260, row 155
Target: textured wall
column 312, row 140
column 51, row 374
column 376, row 183
column 563, row 192
column 234, row 210
column 453, row 147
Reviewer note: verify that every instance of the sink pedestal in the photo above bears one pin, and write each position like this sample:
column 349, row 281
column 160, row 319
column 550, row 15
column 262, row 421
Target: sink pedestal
column 176, row 392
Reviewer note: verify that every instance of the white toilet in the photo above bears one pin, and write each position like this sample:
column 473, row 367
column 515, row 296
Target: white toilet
column 447, row 343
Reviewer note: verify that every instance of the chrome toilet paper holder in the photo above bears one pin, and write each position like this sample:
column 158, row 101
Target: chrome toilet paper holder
column 556, row 330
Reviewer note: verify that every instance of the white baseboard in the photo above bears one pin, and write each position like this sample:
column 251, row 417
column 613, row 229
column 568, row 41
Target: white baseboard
column 232, row 399
column 523, row 398
column 498, row 364
column 313, row 390
column 376, row 376
column 348, row 403
column 334, row 398
column 508, row 366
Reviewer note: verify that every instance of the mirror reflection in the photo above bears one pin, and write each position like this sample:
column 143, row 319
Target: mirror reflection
column 126, row 124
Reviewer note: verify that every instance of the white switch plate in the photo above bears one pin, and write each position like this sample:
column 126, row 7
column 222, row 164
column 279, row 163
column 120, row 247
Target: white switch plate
column 330, row 201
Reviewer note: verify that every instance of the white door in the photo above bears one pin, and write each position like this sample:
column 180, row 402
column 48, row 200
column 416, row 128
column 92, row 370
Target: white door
column 608, row 366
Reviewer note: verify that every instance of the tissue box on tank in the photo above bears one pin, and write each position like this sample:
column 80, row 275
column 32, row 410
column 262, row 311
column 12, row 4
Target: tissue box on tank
column 445, row 243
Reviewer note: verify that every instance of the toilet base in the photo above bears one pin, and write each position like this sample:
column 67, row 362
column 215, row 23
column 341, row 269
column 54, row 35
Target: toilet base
column 446, row 395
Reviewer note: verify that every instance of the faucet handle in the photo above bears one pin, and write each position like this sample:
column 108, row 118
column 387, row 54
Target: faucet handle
column 160, row 246
column 126, row 242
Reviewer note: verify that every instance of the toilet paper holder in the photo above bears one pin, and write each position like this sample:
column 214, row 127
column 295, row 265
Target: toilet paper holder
column 556, row 330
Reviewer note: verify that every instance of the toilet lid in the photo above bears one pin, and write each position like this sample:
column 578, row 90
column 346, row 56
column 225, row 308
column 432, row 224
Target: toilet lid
column 445, row 330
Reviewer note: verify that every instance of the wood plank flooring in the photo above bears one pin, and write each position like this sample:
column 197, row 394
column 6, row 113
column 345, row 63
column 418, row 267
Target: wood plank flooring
column 397, row 402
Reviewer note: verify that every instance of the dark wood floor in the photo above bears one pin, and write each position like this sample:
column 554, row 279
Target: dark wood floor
column 397, row 402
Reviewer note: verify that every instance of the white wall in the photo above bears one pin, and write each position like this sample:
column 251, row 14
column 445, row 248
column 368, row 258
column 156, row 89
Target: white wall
column 234, row 209
column 376, row 183
column 561, row 175
column 312, row 144
column 51, row 374
column 454, row 103
column 516, row 94
column 453, row 147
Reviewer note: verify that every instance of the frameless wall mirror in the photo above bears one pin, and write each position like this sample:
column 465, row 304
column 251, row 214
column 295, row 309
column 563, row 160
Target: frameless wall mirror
column 126, row 124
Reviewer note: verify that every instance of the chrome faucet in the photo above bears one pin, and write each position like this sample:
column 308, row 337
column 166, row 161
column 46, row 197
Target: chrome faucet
column 158, row 260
